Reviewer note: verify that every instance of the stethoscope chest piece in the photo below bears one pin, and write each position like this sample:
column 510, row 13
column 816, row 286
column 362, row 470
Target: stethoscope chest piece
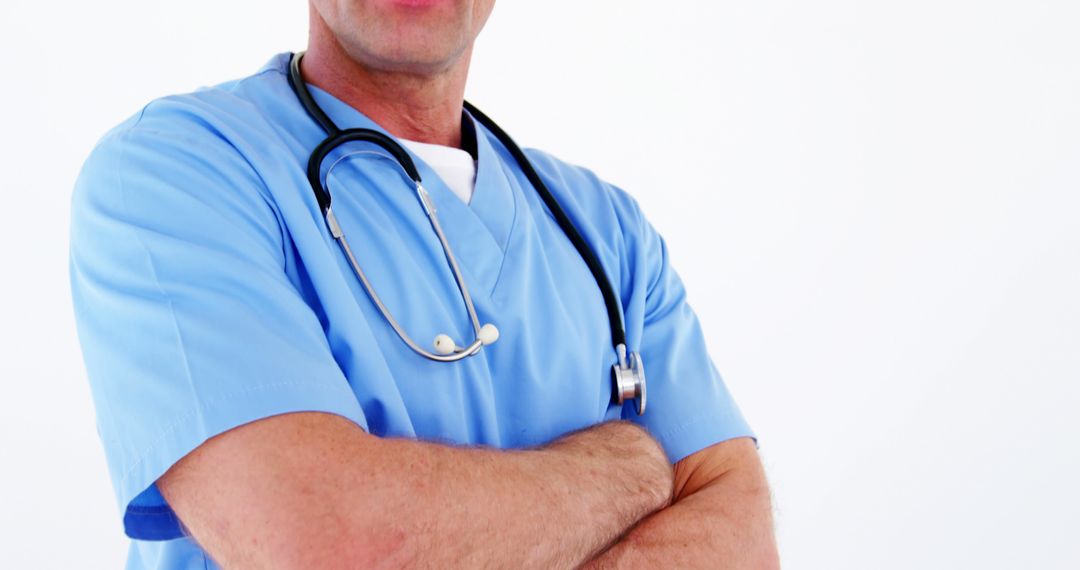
column 628, row 379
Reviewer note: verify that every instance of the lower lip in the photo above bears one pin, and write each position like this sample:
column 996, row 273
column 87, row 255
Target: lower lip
column 416, row 3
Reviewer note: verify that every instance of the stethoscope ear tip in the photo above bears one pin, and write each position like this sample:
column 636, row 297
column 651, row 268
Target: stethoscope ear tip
column 446, row 346
column 488, row 334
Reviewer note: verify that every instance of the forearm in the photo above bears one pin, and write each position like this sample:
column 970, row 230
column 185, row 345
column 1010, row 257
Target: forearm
column 556, row 506
column 315, row 491
column 724, row 524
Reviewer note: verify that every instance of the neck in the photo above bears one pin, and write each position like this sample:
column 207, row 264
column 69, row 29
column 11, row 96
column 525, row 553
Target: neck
column 418, row 107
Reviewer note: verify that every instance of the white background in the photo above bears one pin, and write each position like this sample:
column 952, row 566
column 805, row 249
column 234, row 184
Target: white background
column 874, row 206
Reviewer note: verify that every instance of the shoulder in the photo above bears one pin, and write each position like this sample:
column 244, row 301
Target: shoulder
column 190, row 164
column 583, row 189
column 609, row 218
column 211, row 130
column 210, row 115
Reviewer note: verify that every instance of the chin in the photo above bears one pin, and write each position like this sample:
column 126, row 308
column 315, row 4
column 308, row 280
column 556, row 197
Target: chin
column 410, row 48
column 410, row 36
column 404, row 58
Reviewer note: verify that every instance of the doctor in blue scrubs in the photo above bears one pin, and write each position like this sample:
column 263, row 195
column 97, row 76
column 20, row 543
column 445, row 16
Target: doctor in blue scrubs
column 258, row 410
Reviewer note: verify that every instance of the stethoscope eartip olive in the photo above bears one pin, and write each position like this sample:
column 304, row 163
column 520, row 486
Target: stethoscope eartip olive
column 488, row 334
column 444, row 344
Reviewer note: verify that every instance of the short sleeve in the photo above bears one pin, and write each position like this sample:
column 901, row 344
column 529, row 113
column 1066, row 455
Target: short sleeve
column 689, row 407
column 188, row 323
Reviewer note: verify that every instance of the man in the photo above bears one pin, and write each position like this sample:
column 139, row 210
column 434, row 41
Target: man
column 258, row 412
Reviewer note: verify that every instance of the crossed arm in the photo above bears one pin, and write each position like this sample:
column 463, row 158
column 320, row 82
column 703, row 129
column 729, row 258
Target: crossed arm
column 721, row 517
column 313, row 490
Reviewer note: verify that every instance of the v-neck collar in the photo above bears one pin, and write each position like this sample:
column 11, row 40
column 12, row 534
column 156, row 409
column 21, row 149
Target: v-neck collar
column 479, row 231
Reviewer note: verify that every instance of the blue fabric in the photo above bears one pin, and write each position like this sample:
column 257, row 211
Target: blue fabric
column 209, row 293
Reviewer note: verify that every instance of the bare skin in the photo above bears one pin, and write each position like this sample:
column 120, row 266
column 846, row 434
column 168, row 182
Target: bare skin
column 405, row 67
column 721, row 517
column 315, row 491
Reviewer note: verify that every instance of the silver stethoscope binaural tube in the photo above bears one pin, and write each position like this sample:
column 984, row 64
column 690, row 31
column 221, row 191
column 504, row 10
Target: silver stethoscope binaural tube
column 448, row 349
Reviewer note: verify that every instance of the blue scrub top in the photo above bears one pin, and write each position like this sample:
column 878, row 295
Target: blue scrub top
column 209, row 293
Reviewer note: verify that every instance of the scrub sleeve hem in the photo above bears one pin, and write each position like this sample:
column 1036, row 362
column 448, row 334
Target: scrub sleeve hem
column 145, row 512
column 698, row 433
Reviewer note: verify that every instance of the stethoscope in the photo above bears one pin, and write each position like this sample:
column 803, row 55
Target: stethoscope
column 628, row 373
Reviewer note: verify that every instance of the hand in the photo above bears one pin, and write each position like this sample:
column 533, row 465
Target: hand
column 631, row 457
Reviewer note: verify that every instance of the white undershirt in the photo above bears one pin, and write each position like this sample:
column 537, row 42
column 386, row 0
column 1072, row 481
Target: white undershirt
column 455, row 166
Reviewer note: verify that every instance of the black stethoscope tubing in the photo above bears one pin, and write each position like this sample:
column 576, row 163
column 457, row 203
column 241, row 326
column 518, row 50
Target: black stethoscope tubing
column 336, row 137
